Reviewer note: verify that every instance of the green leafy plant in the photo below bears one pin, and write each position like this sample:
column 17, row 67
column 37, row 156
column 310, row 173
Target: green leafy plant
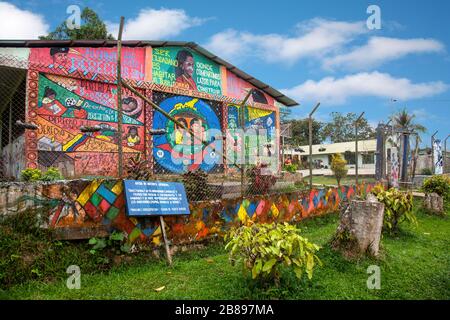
column 292, row 168
column 427, row 171
column 439, row 184
column 338, row 166
column 30, row 174
column 115, row 241
column 398, row 207
column 264, row 248
column 52, row 174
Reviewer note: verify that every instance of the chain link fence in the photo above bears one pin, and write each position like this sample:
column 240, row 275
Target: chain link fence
column 56, row 120
column 12, row 114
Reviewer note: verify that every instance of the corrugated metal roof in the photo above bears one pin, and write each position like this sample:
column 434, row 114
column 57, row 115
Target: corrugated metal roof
column 341, row 147
column 280, row 97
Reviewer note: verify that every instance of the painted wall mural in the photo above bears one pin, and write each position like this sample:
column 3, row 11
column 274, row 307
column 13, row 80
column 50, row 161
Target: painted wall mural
column 260, row 139
column 92, row 204
column 175, row 152
column 66, row 104
column 93, row 63
column 238, row 88
column 184, row 68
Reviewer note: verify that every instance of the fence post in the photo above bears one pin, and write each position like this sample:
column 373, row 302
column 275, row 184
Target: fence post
column 356, row 147
column 119, row 98
column 310, row 143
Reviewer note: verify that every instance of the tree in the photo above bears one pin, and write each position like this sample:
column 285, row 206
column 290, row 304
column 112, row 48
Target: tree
column 300, row 132
column 342, row 128
column 92, row 28
column 338, row 167
column 404, row 121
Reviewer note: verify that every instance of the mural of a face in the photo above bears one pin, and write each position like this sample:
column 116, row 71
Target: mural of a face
column 188, row 66
column 59, row 56
column 175, row 151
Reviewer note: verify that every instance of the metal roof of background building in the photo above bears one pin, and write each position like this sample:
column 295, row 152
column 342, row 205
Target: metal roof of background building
column 277, row 95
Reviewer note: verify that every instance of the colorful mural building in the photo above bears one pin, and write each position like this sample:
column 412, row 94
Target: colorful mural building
column 62, row 86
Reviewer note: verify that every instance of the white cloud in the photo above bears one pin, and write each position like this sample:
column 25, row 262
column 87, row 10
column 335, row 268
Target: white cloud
column 422, row 114
column 313, row 38
column 16, row 23
column 380, row 50
column 332, row 91
column 153, row 24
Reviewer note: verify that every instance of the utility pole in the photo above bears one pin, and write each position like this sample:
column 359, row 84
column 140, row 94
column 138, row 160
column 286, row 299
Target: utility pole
column 432, row 151
column 310, row 143
column 356, row 147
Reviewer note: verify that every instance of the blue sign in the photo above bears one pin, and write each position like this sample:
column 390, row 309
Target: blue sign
column 155, row 198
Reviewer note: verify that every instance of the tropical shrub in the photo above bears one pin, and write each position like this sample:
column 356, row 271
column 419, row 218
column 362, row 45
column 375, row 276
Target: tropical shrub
column 52, row 174
column 30, row 174
column 338, row 167
column 263, row 249
column 398, row 207
column 292, row 168
column 439, row 184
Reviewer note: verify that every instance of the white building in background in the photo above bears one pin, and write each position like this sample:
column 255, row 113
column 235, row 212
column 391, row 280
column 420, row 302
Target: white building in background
column 321, row 154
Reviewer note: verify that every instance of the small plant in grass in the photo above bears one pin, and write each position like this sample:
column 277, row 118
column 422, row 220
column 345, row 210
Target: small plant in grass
column 264, row 249
column 439, row 184
column 115, row 241
column 338, row 167
column 398, row 207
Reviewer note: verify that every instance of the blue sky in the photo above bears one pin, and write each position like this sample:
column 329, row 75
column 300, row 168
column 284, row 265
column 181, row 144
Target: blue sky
column 311, row 50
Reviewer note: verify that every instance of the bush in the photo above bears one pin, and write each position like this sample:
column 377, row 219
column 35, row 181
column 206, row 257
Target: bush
column 427, row 171
column 292, row 168
column 398, row 207
column 30, row 174
column 52, row 174
column 264, row 248
column 338, row 167
column 439, row 184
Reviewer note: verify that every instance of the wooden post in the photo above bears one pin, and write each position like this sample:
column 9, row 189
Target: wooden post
column 119, row 97
column 242, row 125
column 166, row 243
column 310, row 143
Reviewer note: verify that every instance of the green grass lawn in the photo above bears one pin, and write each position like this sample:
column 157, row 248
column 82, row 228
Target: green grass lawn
column 331, row 180
column 415, row 265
